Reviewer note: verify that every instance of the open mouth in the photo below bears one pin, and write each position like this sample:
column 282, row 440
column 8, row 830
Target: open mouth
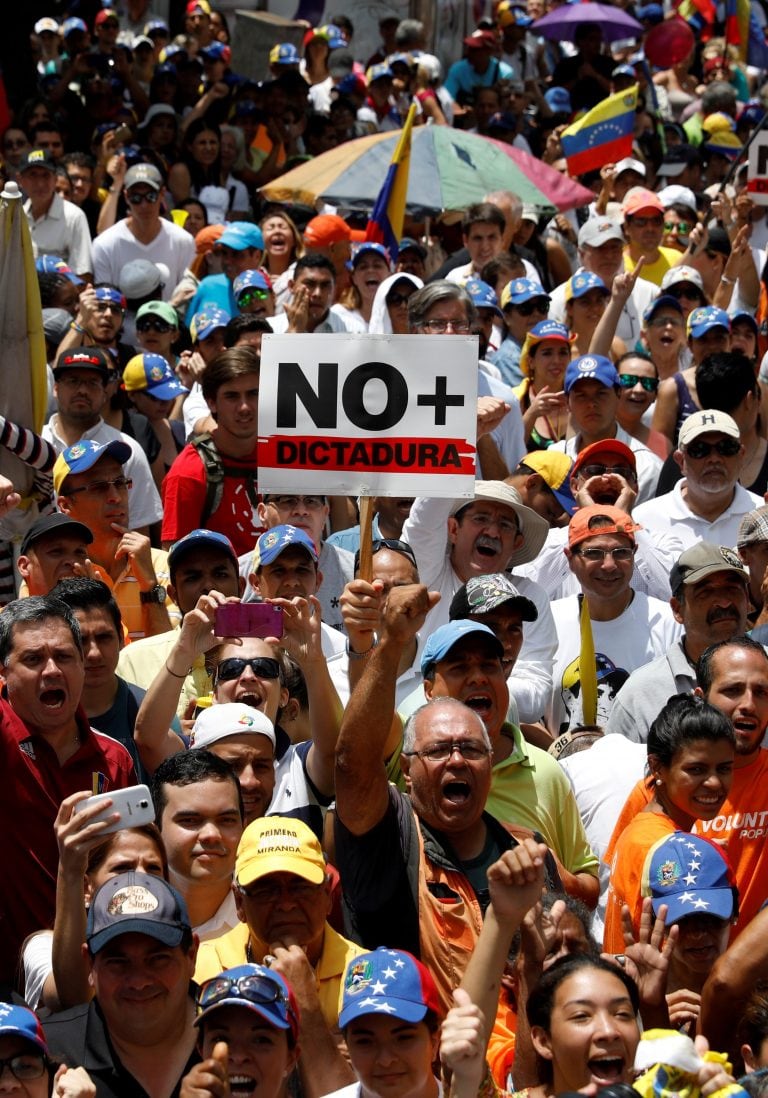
column 487, row 547
column 242, row 1085
column 606, row 1070
column 254, row 700
column 456, row 792
column 481, row 703
column 53, row 698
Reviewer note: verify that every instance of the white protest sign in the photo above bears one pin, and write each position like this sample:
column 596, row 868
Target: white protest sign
column 368, row 415
column 757, row 170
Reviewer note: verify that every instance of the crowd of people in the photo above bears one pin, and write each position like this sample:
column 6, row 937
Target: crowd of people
column 480, row 816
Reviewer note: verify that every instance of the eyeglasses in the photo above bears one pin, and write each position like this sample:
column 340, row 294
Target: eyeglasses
column 539, row 305
column 643, row 222
column 440, row 327
column 27, row 1065
column 253, row 988
column 725, row 447
column 312, row 503
column 262, row 666
column 248, row 296
column 137, row 197
column 601, row 470
column 665, row 322
column 398, row 299
column 482, row 519
column 628, row 381
column 152, row 324
column 470, row 750
column 101, row 487
column 108, row 307
column 92, row 383
column 268, row 892
column 597, row 556
column 690, row 293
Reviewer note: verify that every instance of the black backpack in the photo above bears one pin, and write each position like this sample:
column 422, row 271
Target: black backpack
column 215, row 471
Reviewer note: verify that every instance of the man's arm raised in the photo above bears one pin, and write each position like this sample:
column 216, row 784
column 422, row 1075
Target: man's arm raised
column 361, row 780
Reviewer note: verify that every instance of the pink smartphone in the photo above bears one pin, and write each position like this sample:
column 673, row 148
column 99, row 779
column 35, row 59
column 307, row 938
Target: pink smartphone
column 248, row 619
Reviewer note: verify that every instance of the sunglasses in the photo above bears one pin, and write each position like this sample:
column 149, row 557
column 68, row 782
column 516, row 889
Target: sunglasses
column 394, row 545
column 726, row 447
column 398, row 299
column 681, row 227
column 254, row 989
column 624, row 471
column 642, row 222
column 629, row 381
column 538, row 305
column 152, row 324
column 690, row 293
column 262, row 666
column 99, row 487
column 108, row 307
column 137, row 197
column 248, row 296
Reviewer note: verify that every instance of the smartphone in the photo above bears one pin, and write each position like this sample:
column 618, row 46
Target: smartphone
column 134, row 805
column 248, row 619
column 123, row 134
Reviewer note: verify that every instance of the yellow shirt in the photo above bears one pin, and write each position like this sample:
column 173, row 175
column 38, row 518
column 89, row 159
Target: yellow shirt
column 140, row 662
column 654, row 272
column 230, row 950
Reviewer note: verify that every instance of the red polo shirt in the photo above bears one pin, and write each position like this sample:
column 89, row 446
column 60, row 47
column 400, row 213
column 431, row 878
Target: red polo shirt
column 34, row 785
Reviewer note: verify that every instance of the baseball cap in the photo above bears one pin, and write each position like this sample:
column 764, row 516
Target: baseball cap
column 155, row 111
column 326, row 229
column 481, row 40
column 141, row 277
column 558, row 100
column 744, row 314
column 251, row 279
column 707, row 422
column 161, row 309
column 83, row 456
column 545, row 329
column 704, row 559
column 504, row 120
column 150, row 373
column 725, row 143
column 443, row 639
column 56, row 324
column 602, row 446
column 276, row 540
column 619, row 522
column 481, row 594
column 520, row 290
column 37, row 158
column 136, row 903
column 143, row 173
column 628, row 164
column 753, row 528
column 651, row 13
column 703, row 320
column 673, row 195
column 253, row 987
column 69, row 26
column 675, row 275
column 380, row 71
column 154, row 26
column 363, row 248
column 46, row 24
column 199, row 539
column 81, row 358
column 198, row 5
column 19, row 1021
column 533, row 527
column 408, row 244
column 677, row 160
column 638, row 199
column 690, row 875
column 555, row 469
column 390, row 982
column 625, row 70
column 54, row 264
column 205, row 323
column 240, row 235
column 580, row 284
column 330, row 32
column 230, row 719
column 104, row 15
column 593, row 368
column 285, row 53
column 57, row 522
column 279, row 844
column 216, row 51
column 483, row 295
column 662, row 300
column 599, row 230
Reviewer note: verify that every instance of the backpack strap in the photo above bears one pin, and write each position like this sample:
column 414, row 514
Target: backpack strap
column 214, row 473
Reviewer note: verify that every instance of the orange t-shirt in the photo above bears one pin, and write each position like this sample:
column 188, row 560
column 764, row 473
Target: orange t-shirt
column 500, row 1054
column 627, row 866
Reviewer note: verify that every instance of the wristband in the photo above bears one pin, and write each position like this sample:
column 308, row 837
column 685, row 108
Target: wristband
column 75, row 327
column 728, row 281
column 362, row 655
column 173, row 673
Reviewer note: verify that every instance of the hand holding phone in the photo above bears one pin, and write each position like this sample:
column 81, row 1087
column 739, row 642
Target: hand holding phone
column 134, row 805
column 248, row 619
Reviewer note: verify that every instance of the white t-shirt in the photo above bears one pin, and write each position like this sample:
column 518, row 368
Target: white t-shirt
column 117, row 246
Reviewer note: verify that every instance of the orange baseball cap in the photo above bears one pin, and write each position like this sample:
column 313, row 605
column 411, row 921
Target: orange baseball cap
column 604, row 446
column 206, row 238
column 640, row 198
column 326, row 229
column 583, row 525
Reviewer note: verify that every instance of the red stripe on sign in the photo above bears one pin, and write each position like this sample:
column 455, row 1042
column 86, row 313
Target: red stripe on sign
column 402, row 455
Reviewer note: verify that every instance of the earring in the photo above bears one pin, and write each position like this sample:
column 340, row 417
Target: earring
column 658, row 781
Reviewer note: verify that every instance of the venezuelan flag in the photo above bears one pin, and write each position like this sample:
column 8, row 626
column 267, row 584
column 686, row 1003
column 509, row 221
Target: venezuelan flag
column 700, row 16
column 737, row 25
column 602, row 135
column 386, row 222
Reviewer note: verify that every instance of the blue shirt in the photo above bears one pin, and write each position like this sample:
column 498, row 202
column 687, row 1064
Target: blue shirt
column 350, row 539
column 213, row 290
column 463, row 78
column 507, row 359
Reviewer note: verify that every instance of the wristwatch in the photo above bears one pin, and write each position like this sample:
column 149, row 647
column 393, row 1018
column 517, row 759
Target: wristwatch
column 156, row 594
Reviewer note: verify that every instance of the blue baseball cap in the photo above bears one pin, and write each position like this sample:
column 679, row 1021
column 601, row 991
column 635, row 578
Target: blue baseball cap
column 387, row 982
column 742, row 314
column 331, row 34
column 365, row 247
column 215, row 51
column 83, row 456
column 658, row 302
column 381, row 71
column 205, row 323
column 200, row 539
column 136, row 903
column 54, row 264
column 109, row 293
column 275, row 541
column 150, row 373
column 155, row 25
column 248, row 280
column 703, row 320
column 483, row 295
column 545, row 329
column 558, row 100
column 580, row 284
column 284, row 54
column 74, row 24
column 502, row 120
column 520, row 290
column 691, row 876
column 591, row 368
column 240, row 235
column 253, row 987
column 443, row 639
column 19, row 1021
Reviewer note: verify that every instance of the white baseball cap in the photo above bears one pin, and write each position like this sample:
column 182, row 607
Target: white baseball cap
column 230, row 719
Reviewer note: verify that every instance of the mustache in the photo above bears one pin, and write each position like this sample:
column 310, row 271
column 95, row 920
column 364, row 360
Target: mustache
column 722, row 615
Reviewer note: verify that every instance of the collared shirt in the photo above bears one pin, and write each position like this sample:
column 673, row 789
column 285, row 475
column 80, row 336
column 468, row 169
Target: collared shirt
column 648, row 464
column 647, row 691
column 140, row 662
column 332, row 323
column 62, row 230
column 671, row 512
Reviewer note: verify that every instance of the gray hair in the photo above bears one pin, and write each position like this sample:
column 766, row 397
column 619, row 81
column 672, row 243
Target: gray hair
column 409, row 732
column 718, row 96
column 35, row 609
column 420, row 303
column 409, row 32
column 507, row 201
column 236, row 133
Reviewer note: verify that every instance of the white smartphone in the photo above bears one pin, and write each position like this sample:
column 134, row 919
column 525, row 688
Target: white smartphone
column 134, row 805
